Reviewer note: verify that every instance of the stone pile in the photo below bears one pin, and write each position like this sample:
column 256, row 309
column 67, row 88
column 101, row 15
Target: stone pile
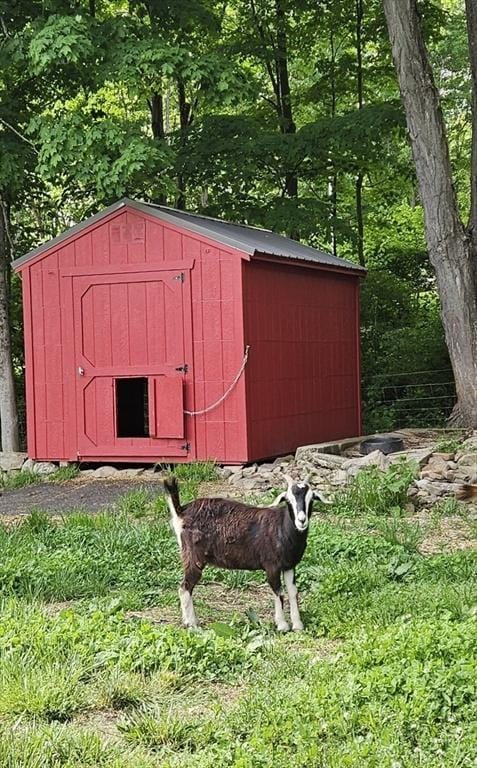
column 440, row 474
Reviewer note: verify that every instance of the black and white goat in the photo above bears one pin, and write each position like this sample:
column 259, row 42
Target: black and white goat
column 230, row 534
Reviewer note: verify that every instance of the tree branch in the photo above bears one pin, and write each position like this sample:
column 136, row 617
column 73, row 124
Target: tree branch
column 20, row 135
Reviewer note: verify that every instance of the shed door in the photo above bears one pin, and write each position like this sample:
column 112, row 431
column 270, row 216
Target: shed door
column 131, row 360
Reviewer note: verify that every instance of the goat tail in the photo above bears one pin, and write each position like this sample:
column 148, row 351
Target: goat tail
column 171, row 490
column 466, row 492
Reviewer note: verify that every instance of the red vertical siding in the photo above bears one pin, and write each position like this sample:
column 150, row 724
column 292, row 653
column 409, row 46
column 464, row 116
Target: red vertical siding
column 303, row 374
column 213, row 325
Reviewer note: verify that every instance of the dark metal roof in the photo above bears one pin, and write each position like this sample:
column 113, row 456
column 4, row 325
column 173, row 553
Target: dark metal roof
column 245, row 238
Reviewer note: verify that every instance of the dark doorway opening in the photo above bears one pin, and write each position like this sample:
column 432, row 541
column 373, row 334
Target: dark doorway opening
column 132, row 408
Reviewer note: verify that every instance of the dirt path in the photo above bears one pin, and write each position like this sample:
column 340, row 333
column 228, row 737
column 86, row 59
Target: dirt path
column 88, row 495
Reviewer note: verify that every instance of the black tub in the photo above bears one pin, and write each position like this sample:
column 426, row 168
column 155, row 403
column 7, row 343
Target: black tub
column 384, row 443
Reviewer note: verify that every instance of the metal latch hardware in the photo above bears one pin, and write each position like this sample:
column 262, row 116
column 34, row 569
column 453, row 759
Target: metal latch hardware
column 186, row 447
column 180, row 277
column 183, row 368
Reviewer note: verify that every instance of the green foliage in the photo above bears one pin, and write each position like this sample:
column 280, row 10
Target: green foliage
column 27, row 477
column 449, row 444
column 377, row 493
column 196, row 472
column 407, row 375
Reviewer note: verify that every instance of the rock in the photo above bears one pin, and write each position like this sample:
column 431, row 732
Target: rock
column 283, row 460
column 429, row 474
column 87, row 473
column 375, row 458
column 106, row 471
column 467, row 459
column 443, row 456
column 409, row 508
column 340, row 477
column 224, row 472
column 130, row 473
column 438, row 489
column 235, row 479
column 267, row 467
column 44, row 468
column 12, row 460
column 317, row 458
column 249, row 471
column 436, row 464
column 469, row 445
column 249, row 484
column 420, row 455
column 232, row 469
column 28, row 465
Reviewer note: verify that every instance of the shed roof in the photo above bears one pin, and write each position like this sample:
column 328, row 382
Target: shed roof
column 243, row 237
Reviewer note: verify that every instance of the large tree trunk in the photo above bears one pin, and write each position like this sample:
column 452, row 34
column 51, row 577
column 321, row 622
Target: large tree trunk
column 8, row 404
column 471, row 7
column 449, row 249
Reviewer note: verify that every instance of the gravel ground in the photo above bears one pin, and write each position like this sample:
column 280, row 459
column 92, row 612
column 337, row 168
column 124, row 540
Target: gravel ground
column 90, row 495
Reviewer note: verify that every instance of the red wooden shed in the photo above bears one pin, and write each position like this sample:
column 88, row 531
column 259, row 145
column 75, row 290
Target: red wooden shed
column 136, row 324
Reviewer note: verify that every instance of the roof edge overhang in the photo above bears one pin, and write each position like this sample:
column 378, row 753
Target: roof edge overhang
column 360, row 272
column 124, row 204
column 162, row 215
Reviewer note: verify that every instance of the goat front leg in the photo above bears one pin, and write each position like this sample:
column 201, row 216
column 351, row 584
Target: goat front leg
column 275, row 583
column 192, row 576
column 289, row 577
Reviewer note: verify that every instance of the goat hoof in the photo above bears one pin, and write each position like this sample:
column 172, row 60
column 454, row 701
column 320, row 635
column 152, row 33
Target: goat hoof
column 284, row 627
column 298, row 627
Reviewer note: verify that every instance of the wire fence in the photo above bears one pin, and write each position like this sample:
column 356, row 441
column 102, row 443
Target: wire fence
column 410, row 399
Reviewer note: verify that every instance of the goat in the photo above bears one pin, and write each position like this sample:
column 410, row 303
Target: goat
column 466, row 492
column 230, row 534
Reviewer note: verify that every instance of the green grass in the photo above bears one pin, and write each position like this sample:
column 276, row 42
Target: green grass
column 23, row 478
column 385, row 674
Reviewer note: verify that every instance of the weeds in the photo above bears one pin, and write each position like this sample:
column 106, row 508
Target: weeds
column 374, row 492
column 11, row 480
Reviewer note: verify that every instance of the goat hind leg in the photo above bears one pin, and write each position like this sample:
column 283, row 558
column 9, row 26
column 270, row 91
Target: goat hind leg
column 289, row 577
column 191, row 578
column 275, row 583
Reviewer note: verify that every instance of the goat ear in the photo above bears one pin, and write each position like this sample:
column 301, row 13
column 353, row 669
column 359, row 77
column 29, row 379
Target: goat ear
column 281, row 497
column 318, row 496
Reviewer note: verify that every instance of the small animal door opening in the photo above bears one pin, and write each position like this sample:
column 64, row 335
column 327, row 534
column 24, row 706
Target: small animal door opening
column 132, row 407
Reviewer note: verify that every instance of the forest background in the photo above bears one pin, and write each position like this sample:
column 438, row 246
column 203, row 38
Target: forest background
column 279, row 113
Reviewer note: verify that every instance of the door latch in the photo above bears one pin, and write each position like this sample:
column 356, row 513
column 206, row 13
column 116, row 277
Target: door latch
column 183, row 368
column 186, row 447
column 180, row 276
column 80, row 371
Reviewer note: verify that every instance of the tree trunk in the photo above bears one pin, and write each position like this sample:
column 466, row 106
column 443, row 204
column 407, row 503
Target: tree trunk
column 360, row 98
column 184, row 121
column 287, row 124
column 8, row 404
column 472, row 35
column 449, row 248
column 156, row 107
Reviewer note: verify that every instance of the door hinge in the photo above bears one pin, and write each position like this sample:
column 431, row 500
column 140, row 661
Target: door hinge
column 180, row 277
column 186, row 447
column 183, row 368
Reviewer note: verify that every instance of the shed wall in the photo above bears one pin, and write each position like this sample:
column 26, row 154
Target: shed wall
column 217, row 333
column 302, row 380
